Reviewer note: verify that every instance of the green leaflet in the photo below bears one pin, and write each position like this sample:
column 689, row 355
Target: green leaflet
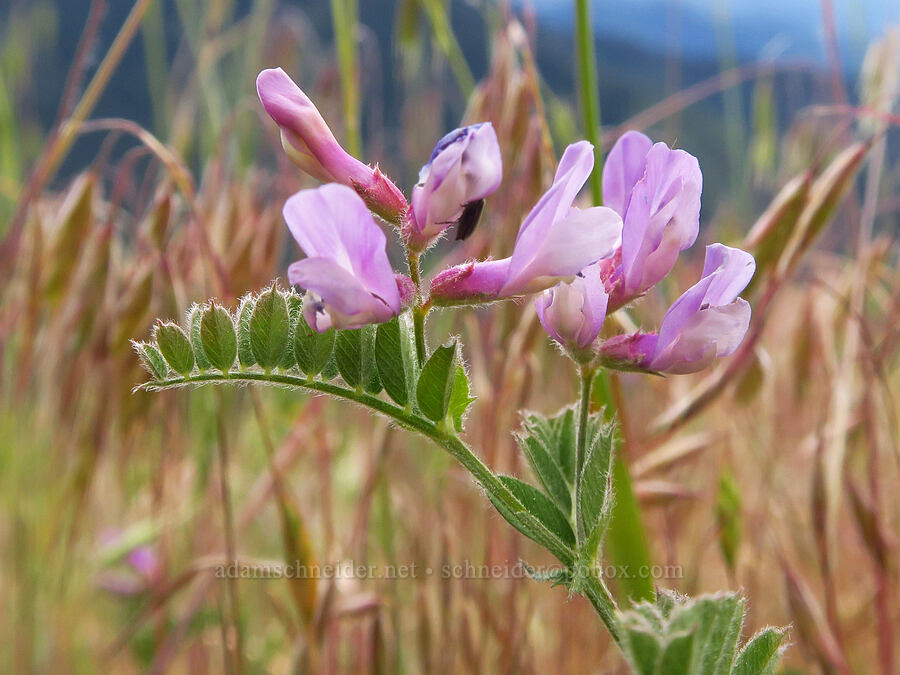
column 245, row 351
column 716, row 622
column 175, row 347
column 390, row 362
column 348, row 356
column 596, row 479
column 531, row 525
column 435, row 385
column 557, row 436
column 371, row 380
column 761, row 654
column 460, row 399
column 679, row 635
column 542, row 508
column 151, row 359
column 194, row 318
column 544, row 465
column 217, row 337
column 295, row 316
column 677, row 654
column 354, row 353
column 313, row 350
column 269, row 329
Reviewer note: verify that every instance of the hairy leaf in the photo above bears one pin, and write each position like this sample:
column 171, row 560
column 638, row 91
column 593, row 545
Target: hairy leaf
column 547, row 470
column 152, row 360
column 596, row 478
column 460, row 399
column 295, row 315
column 716, row 621
column 348, row 356
column 436, row 382
column 175, row 347
column 313, row 350
column 245, row 351
column 194, row 320
column 269, row 329
column 761, row 654
column 217, row 337
column 389, row 361
column 370, row 380
column 542, row 508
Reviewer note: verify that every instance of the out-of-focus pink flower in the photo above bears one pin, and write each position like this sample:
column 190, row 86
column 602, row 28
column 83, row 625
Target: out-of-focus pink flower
column 464, row 168
column 347, row 275
column 573, row 312
column 709, row 320
column 555, row 242
column 309, row 143
column 656, row 190
column 145, row 561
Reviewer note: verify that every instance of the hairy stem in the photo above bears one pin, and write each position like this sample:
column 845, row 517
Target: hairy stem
column 584, row 407
column 594, row 587
column 404, row 418
column 604, row 605
column 419, row 311
column 590, row 99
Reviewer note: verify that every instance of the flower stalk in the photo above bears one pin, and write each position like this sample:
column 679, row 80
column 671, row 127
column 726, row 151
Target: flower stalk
column 418, row 311
column 586, row 374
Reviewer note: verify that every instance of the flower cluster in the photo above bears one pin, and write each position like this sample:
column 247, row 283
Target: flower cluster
column 584, row 262
column 656, row 191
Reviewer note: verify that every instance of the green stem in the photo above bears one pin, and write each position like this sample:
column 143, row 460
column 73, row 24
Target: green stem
column 419, row 331
column 594, row 589
column 590, row 98
column 419, row 311
column 401, row 416
column 584, row 407
column 600, row 597
column 344, row 18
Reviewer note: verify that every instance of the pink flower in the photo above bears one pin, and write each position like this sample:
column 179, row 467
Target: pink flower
column 309, row 143
column 464, row 168
column 573, row 312
column 555, row 242
column 709, row 320
column 347, row 275
column 656, row 190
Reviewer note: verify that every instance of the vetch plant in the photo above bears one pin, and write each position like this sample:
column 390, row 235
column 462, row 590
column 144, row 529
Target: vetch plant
column 358, row 333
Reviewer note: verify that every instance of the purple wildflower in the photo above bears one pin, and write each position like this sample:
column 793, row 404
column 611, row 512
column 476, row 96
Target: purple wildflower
column 709, row 320
column 347, row 275
column 555, row 242
column 656, row 190
column 573, row 312
column 309, row 143
column 464, row 168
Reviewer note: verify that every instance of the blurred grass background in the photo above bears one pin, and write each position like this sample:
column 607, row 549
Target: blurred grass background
column 138, row 174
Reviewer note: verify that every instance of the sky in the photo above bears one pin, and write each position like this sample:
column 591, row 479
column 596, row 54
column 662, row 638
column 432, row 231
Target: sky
column 759, row 28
